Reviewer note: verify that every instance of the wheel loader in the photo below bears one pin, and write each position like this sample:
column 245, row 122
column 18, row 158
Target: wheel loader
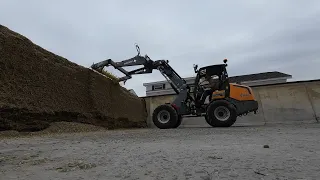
column 226, row 102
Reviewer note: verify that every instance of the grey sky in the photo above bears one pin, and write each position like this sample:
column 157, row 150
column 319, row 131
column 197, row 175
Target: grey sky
column 255, row 35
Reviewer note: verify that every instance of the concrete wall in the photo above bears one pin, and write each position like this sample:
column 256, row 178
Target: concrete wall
column 294, row 102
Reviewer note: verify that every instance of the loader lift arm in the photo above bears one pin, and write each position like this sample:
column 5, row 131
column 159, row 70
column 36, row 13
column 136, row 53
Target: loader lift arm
column 135, row 61
column 165, row 69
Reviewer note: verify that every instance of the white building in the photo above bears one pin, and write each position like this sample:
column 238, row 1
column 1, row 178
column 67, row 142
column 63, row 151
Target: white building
column 164, row 88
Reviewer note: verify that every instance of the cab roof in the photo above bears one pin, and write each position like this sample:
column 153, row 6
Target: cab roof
column 217, row 69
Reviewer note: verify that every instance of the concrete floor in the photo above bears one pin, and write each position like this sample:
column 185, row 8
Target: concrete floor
column 186, row 153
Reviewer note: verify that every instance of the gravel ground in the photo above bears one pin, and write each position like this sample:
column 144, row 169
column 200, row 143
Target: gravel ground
column 186, row 153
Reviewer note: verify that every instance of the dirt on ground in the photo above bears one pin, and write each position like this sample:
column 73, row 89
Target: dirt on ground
column 256, row 152
column 54, row 129
column 38, row 87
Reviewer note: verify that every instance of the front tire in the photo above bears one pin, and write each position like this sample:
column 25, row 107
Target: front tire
column 165, row 117
column 221, row 113
column 179, row 121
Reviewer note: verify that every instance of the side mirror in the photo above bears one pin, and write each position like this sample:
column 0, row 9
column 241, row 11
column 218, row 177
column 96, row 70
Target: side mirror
column 195, row 67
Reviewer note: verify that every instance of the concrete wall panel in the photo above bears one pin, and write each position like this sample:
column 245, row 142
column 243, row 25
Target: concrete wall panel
column 286, row 104
column 314, row 95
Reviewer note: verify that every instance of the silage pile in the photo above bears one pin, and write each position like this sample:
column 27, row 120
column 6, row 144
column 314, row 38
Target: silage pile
column 38, row 87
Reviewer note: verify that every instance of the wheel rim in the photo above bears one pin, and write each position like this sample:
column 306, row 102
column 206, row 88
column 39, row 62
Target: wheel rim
column 163, row 116
column 222, row 113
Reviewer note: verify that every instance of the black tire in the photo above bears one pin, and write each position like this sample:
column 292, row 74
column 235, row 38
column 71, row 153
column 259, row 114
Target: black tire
column 206, row 117
column 165, row 117
column 179, row 121
column 221, row 113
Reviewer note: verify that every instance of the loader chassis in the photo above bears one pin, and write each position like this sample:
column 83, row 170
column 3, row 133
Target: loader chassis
column 226, row 103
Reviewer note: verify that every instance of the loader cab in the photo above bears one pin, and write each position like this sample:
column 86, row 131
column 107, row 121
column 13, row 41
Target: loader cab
column 219, row 71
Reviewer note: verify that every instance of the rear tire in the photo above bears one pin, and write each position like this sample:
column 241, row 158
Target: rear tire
column 165, row 117
column 221, row 113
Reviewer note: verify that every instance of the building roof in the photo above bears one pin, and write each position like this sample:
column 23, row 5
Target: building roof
column 259, row 76
column 244, row 78
column 276, row 84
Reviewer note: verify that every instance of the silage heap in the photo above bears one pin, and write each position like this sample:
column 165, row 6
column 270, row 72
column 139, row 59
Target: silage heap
column 38, row 87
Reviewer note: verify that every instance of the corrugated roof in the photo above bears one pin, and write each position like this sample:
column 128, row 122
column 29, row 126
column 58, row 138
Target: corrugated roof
column 259, row 76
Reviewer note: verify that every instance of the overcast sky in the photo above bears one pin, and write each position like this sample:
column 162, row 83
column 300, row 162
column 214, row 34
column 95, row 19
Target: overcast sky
column 255, row 35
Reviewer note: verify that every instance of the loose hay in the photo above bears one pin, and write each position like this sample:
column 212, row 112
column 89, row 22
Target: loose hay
column 62, row 127
column 55, row 128
column 113, row 77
